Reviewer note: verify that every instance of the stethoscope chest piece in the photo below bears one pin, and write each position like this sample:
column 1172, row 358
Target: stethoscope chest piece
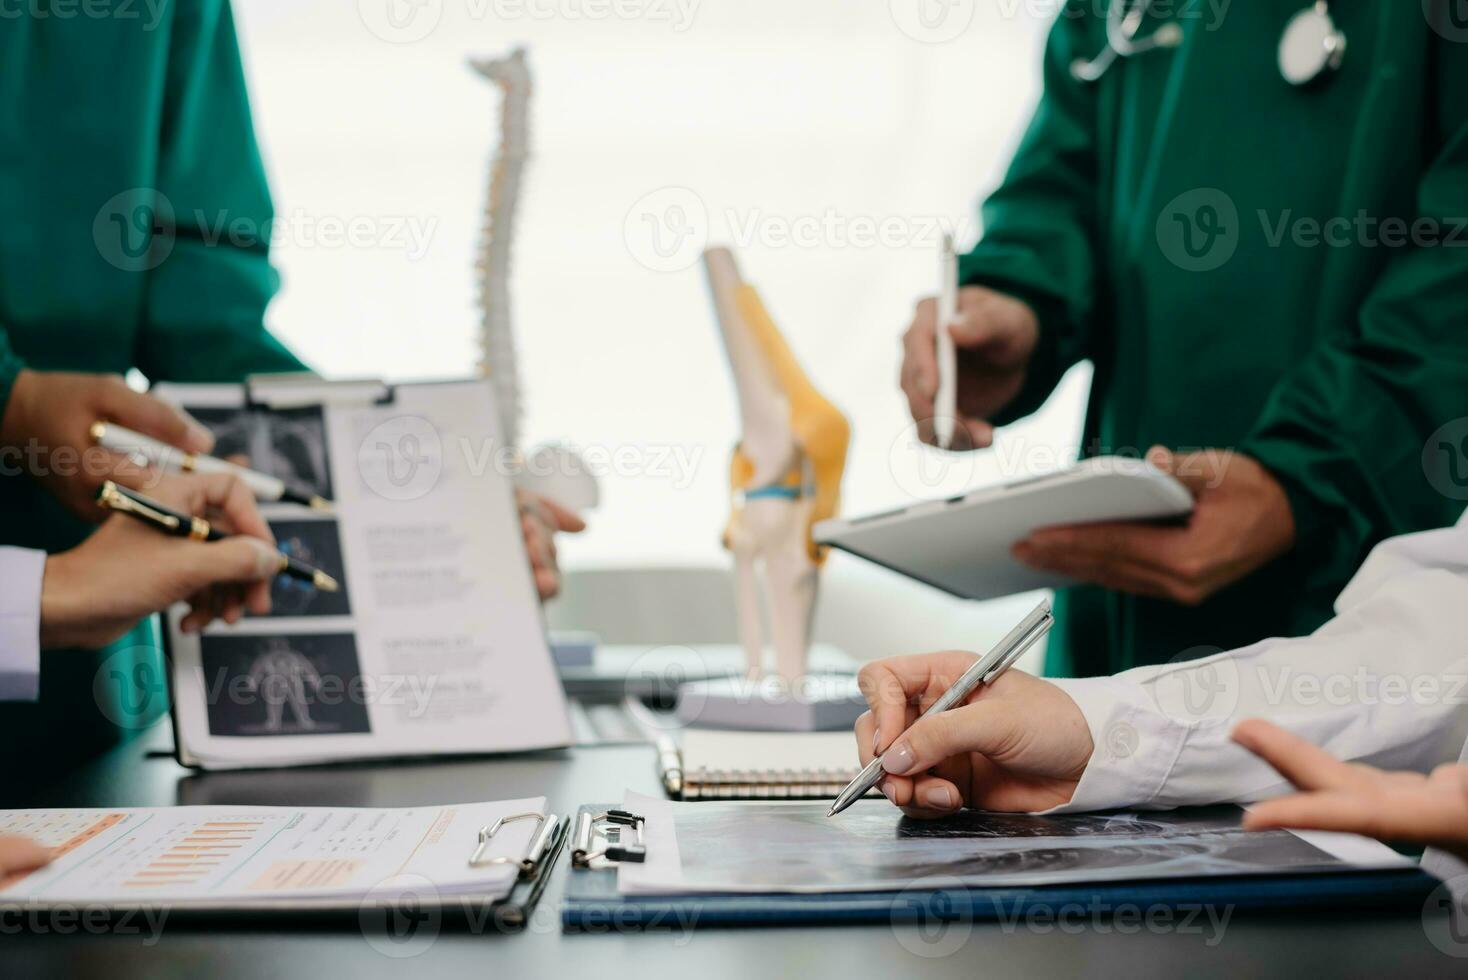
column 1312, row 46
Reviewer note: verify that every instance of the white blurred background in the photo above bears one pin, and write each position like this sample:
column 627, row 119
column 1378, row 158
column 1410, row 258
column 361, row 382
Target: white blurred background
column 819, row 120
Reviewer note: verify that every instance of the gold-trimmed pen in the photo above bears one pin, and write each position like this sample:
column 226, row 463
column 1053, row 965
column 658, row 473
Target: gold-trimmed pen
column 124, row 501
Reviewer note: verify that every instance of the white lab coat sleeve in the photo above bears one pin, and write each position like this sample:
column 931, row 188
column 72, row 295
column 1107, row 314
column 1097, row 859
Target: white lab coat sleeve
column 1385, row 683
column 21, row 573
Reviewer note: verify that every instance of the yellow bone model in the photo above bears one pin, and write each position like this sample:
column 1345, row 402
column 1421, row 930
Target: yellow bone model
column 785, row 474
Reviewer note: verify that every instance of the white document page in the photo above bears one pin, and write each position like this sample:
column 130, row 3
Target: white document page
column 434, row 645
column 224, row 856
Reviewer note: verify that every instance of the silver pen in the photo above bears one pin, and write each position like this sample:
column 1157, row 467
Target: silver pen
column 985, row 670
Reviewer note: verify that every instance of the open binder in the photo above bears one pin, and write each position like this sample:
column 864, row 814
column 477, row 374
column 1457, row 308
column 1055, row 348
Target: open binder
column 607, row 837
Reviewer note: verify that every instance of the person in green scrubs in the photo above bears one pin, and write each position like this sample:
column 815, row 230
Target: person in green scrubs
column 134, row 235
column 1271, row 282
column 127, row 140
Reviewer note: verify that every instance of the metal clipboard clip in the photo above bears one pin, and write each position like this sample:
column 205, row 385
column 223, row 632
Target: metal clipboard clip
column 601, row 840
column 545, row 831
column 302, row 389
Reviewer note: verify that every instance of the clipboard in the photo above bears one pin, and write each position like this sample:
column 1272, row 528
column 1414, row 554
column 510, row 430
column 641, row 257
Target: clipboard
column 397, row 462
column 591, row 898
column 506, row 914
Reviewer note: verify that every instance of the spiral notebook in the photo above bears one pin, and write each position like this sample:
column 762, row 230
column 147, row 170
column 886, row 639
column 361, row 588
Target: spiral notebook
column 726, row 765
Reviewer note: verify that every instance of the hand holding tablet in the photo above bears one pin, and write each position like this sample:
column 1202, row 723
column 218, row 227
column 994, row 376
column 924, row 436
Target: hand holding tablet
column 964, row 545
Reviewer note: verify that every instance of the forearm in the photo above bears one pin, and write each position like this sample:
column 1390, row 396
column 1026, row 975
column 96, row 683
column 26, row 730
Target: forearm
column 1384, row 683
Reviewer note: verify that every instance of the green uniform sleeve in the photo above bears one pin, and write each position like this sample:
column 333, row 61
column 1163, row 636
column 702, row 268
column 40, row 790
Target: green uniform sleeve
column 206, row 301
column 1040, row 226
column 10, row 366
column 1368, row 434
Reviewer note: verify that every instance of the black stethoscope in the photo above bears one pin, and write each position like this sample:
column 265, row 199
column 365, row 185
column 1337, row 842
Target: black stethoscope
column 1312, row 45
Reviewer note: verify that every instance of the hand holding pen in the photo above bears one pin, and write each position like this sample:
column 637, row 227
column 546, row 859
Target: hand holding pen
column 163, row 456
column 1015, row 743
column 126, row 570
column 183, row 524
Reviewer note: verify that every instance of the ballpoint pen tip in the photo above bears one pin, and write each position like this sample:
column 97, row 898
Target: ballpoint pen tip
column 319, row 503
column 325, row 582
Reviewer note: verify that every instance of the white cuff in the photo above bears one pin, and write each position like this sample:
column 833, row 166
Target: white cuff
column 1136, row 746
column 21, row 573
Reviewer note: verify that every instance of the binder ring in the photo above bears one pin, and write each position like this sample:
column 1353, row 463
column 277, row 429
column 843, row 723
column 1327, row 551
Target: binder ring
column 582, row 853
column 486, row 834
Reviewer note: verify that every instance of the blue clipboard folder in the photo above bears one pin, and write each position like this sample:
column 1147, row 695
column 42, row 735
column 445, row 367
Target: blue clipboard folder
column 592, row 902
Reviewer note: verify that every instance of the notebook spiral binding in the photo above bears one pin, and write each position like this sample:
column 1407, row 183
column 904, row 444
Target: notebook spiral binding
column 765, row 784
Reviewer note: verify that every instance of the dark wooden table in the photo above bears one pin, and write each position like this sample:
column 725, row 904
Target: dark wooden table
column 1284, row 944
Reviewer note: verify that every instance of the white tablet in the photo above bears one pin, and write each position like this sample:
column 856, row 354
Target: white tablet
column 962, row 545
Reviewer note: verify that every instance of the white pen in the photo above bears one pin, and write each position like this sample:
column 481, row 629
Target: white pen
column 945, row 406
column 166, row 457
column 985, row 670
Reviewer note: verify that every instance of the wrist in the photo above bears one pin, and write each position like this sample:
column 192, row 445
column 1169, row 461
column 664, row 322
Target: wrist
column 1279, row 511
column 61, row 609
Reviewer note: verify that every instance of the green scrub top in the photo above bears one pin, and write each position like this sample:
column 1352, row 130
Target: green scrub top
column 126, row 146
column 1237, row 259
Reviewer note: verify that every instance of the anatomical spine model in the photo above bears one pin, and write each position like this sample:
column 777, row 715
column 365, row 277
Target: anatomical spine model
column 496, row 339
column 785, row 475
column 552, row 470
